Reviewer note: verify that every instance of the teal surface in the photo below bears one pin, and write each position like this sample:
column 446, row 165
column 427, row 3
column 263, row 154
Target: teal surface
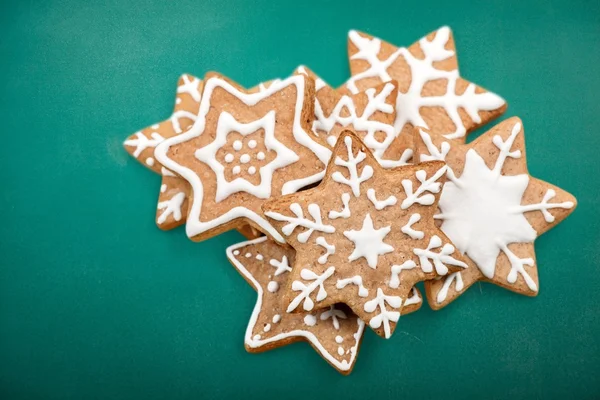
column 97, row 303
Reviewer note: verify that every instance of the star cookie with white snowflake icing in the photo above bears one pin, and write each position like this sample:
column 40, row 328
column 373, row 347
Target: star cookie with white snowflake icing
column 335, row 333
column 370, row 114
column 431, row 92
column 492, row 209
column 364, row 236
column 172, row 201
column 244, row 148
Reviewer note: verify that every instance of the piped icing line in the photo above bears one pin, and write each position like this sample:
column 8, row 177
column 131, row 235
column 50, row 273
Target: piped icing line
column 256, row 342
column 194, row 225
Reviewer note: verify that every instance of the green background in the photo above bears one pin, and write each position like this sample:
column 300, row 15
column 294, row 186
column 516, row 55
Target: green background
column 96, row 302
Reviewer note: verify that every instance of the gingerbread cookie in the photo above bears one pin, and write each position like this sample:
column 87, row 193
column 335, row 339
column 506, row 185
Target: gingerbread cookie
column 244, row 148
column 172, row 202
column 370, row 114
column 431, row 92
column 492, row 209
column 364, row 236
column 335, row 333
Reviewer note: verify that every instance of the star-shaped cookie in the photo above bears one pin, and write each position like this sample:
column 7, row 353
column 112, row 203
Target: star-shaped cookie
column 364, row 236
column 492, row 209
column 335, row 333
column 172, row 201
column 244, row 148
column 370, row 114
column 431, row 92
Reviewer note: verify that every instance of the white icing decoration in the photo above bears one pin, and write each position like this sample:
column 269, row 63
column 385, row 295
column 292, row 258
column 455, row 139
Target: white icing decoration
column 177, row 115
column 397, row 269
column 435, row 154
column 248, row 255
column 407, row 229
column 236, row 170
column 267, row 328
column 353, row 180
column 310, row 320
column 281, row 266
column 306, row 290
column 443, row 293
column 273, row 287
column 380, row 205
column 259, row 257
column 229, row 158
column 171, row 207
column 340, row 350
column 334, row 314
column 237, row 145
column 141, row 142
column 252, row 170
column 413, row 299
column 355, row 280
column 252, row 143
column 228, row 124
column 339, row 339
column 489, row 204
column 194, row 224
column 385, row 316
column 368, row 242
column 409, row 104
column 178, row 101
column 260, row 156
column 329, row 249
column 236, row 253
column 426, row 185
column 345, row 213
column 150, row 161
column 317, row 223
column 166, row 172
column 190, row 87
column 440, row 260
column 163, row 188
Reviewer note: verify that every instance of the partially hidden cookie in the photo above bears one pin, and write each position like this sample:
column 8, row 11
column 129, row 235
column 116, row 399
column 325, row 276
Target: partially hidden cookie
column 370, row 114
column 364, row 236
column 431, row 92
column 174, row 191
column 244, row 148
column 335, row 333
column 172, row 202
column 492, row 209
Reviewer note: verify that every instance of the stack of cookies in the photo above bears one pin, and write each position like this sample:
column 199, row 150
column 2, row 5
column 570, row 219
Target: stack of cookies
column 351, row 196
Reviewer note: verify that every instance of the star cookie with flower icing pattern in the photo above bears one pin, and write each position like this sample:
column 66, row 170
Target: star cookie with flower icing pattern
column 244, row 148
column 335, row 333
column 492, row 209
column 364, row 236
column 370, row 114
column 431, row 92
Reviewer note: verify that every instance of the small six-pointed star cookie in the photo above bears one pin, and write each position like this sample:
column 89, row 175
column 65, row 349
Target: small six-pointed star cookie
column 335, row 333
column 244, row 148
column 364, row 236
column 492, row 209
column 172, row 202
column 431, row 92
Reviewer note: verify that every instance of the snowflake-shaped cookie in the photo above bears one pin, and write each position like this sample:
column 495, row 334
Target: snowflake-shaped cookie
column 370, row 114
column 431, row 92
column 335, row 333
column 244, row 148
column 351, row 235
column 492, row 209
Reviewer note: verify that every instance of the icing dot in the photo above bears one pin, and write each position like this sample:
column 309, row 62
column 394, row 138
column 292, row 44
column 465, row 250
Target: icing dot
column 260, row 156
column 228, row 157
column 267, row 328
column 310, row 320
column 236, row 252
column 155, row 126
column 340, row 351
column 150, row 161
column 256, row 337
column 259, row 257
column 339, row 339
column 273, row 286
column 163, row 188
column 237, row 145
column 245, row 158
column 252, row 170
column 276, row 318
column 236, row 170
column 178, row 101
column 248, row 255
column 252, row 144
